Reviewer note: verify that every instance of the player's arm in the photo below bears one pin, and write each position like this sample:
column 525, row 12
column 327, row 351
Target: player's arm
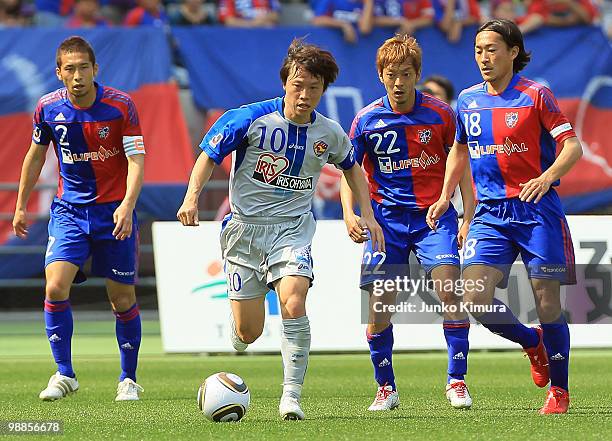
column 200, row 175
column 30, row 172
column 359, row 186
column 225, row 136
column 536, row 188
column 356, row 233
column 467, row 197
column 559, row 127
column 456, row 164
column 122, row 217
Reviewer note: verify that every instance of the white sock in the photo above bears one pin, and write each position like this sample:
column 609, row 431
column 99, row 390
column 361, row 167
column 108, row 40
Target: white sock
column 295, row 346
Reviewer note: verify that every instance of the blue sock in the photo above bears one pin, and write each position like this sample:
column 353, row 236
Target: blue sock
column 508, row 326
column 557, row 343
column 129, row 333
column 381, row 351
column 58, row 323
column 456, row 335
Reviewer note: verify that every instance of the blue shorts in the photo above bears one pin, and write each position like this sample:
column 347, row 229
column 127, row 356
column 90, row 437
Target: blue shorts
column 406, row 231
column 501, row 230
column 77, row 232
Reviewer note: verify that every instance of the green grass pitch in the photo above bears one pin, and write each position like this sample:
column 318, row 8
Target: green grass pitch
column 337, row 392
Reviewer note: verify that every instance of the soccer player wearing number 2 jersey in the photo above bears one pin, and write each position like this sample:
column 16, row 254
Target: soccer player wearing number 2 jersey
column 510, row 127
column 100, row 150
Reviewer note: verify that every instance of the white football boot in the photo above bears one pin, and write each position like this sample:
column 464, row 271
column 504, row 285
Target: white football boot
column 59, row 386
column 127, row 390
column 458, row 394
column 386, row 399
column 290, row 408
column 238, row 344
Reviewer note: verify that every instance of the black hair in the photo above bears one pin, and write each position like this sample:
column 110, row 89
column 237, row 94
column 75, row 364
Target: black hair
column 512, row 36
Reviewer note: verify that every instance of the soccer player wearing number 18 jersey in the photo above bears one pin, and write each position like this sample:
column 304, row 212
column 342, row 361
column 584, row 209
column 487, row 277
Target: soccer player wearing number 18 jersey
column 510, row 126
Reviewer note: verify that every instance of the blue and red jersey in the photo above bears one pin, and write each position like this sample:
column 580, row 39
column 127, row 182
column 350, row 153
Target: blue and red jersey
column 404, row 154
column 91, row 144
column 511, row 137
column 246, row 9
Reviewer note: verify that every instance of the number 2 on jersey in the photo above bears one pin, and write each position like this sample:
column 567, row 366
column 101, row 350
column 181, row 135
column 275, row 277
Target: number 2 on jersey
column 378, row 138
column 64, row 130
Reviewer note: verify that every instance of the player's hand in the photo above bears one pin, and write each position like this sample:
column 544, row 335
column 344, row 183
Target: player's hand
column 435, row 212
column 350, row 35
column 122, row 217
column 368, row 223
column 355, row 231
column 20, row 224
column 535, row 189
column 188, row 214
column 462, row 234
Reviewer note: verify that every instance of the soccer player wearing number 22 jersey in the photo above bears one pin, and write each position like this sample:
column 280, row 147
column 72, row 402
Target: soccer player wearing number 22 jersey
column 510, row 126
column 402, row 139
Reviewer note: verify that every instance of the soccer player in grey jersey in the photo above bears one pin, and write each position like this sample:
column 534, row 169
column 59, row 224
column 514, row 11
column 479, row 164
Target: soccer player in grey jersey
column 278, row 149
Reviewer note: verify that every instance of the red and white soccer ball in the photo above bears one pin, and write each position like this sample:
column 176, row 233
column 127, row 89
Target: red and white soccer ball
column 224, row 397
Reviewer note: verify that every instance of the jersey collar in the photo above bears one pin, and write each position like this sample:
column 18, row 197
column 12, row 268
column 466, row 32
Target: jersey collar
column 417, row 103
column 515, row 78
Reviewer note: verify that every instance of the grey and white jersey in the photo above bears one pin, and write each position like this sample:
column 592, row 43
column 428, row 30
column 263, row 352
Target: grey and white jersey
column 276, row 163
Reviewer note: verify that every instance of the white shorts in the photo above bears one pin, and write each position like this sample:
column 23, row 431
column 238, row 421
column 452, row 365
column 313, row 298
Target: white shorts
column 258, row 251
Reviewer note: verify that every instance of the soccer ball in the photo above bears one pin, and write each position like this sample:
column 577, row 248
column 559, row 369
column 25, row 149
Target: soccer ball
column 224, row 397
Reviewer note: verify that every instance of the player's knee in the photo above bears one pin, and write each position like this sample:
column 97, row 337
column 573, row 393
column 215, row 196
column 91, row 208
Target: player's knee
column 122, row 299
column 56, row 291
column 548, row 309
column 122, row 304
column 295, row 306
column 449, row 298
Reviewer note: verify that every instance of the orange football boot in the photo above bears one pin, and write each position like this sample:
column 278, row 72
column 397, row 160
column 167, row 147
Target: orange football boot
column 539, row 361
column 557, row 401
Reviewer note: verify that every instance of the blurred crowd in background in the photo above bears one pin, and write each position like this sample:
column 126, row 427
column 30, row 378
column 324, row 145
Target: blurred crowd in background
column 350, row 17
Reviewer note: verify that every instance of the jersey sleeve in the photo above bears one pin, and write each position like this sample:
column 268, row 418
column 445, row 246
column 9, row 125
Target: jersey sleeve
column 227, row 134
column 451, row 129
column 551, row 117
column 133, row 142
column 357, row 140
column 343, row 156
column 41, row 133
column 460, row 132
